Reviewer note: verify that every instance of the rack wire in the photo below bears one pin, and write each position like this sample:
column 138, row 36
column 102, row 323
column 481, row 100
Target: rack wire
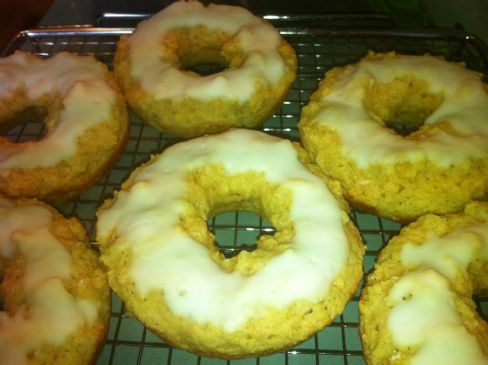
column 318, row 49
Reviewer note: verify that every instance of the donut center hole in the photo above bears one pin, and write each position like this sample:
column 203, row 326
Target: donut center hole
column 203, row 62
column 205, row 69
column 241, row 219
column 199, row 50
column 481, row 302
column 237, row 231
column 402, row 105
column 27, row 125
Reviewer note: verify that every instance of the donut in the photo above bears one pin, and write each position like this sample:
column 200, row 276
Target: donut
column 161, row 87
column 85, row 118
column 437, row 168
column 417, row 306
column 55, row 296
column 164, row 264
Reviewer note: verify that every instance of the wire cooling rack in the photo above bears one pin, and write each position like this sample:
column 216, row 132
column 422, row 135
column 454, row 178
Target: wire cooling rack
column 318, row 49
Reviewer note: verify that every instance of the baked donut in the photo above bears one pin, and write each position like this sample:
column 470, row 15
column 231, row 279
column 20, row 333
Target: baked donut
column 56, row 300
column 153, row 67
column 417, row 307
column 164, row 264
column 84, row 115
column 436, row 169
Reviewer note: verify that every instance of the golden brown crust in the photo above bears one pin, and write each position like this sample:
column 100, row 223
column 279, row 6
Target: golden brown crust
column 210, row 190
column 190, row 117
column 98, row 149
column 88, row 281
column 402, row 190
column 374, row 306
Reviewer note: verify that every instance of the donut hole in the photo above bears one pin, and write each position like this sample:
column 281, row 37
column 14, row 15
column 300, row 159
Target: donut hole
column 26, row 120
column 200, row 50
column 402, row 105
column 28, row 124
column 236, row 231
column 203, row 61
column 205, row 69
column 213, row 192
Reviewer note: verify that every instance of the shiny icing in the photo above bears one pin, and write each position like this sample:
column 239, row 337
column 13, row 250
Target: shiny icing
column 424, row 313
column 86, row 100
column 258, row 40
column 49, row 313
column 194, row 286
column 366, row 141
column 450, row 253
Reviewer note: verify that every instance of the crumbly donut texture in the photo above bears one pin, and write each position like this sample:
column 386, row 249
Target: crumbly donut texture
column 416, row 307
column 438, row 168
column 56, row 300
column 261, row 66
column 85, row 117
column 163, row 261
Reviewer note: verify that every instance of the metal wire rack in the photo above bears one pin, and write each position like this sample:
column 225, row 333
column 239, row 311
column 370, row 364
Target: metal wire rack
column 318, row 49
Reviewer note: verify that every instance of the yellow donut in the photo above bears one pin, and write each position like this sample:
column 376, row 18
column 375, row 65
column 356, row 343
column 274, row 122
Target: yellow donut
column 56, row 300
column 150, row 65
column 436, row 169
column 164, row 264
column 85, row 118
column 417, row 306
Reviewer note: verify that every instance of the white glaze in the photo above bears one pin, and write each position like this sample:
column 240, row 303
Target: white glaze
column 450, row 253
column 54, row 314
column 86, row 100
column 193, row 284
column 258, row 40
column 424, row 315
column 465, row 108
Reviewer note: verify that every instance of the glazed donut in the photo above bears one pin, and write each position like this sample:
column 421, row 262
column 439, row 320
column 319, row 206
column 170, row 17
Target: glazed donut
column 436, row 169
column 164, row 264
column 417, row 306
column 56, row 300
column 85, row 118
column 261, row 66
